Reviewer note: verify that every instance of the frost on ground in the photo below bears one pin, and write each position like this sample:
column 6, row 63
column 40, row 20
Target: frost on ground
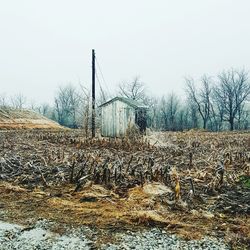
column 41, row 237
column 37, row 237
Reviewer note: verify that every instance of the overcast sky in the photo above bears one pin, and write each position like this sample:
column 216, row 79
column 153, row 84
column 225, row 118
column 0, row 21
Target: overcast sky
column 46, row 43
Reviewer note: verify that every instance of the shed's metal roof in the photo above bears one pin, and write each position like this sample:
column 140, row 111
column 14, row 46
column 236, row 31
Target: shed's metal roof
column 131, row 102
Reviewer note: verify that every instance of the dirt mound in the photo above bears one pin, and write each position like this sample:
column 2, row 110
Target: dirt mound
column 25, row 119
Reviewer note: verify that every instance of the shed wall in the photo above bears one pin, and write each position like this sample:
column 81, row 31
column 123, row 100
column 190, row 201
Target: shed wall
column 115, row 118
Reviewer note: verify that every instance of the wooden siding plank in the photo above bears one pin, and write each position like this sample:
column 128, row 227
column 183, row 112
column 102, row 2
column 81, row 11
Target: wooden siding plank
column 116, row 117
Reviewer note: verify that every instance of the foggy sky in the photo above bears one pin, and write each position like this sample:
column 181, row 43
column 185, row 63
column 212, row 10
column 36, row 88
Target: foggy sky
column 46, row 43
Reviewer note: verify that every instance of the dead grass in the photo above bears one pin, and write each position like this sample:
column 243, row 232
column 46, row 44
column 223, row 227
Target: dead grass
column 22, row 206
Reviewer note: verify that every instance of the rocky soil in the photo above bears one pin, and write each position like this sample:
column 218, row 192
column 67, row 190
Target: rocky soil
column 40, row 236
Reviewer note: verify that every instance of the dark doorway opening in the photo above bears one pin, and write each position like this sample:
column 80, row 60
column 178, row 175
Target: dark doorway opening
column 141, row 119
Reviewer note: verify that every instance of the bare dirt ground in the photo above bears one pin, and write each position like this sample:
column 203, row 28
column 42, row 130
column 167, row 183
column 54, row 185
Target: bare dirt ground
column 24, row 119
column 126, row 184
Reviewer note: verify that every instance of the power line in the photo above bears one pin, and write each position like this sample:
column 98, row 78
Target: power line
column 98, row 80
column 105, row 83
column 100, row 85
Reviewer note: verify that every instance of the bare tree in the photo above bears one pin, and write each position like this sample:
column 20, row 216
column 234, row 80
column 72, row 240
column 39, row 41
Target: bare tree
column 153, row 112
column 18, row 101
column 172, row 107
column 164, row 112
column 134, row 90
column 183, row 121
column 193, row 114
column 201, row 98
column 232, row 90
column 245, row 120
column 3, row 100
column 44, row 109
column 242, row 117
column 62, row 106
column 67, row 102
column 32, row 105
column 86, row 115
column 216, row 116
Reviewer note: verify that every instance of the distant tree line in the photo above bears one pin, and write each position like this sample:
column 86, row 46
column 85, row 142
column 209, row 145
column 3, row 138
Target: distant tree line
column 212, row 103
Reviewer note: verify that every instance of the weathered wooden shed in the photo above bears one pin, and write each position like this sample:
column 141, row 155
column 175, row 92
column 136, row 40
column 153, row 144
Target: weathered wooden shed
column 118, row 113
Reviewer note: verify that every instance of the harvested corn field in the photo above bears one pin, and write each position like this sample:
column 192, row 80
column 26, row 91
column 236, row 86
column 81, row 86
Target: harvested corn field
column 194, row 184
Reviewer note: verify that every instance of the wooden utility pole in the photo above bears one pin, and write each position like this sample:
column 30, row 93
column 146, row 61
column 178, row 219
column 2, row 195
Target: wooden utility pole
column 93, row 93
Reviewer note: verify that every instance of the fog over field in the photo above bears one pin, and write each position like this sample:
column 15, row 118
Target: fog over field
column 48, row 43
column 124, row 124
